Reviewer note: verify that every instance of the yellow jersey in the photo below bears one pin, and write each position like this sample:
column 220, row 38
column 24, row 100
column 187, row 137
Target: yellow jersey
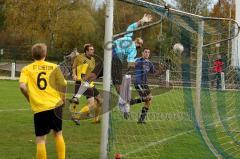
column 45, row 83
column 83, row 65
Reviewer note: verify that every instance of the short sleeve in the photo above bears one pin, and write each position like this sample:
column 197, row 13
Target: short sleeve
column 57, row 80
column 23, row 76
column 60, row 78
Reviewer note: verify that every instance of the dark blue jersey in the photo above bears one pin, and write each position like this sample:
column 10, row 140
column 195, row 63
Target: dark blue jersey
column 142, row 68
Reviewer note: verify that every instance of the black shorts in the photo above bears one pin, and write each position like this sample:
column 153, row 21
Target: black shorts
column 98, row 70
column 90, row 92
column 116, row 70
column 47, row 120
column 143, row 90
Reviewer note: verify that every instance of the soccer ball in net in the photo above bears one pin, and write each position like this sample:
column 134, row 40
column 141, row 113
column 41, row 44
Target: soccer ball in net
column 178, row 48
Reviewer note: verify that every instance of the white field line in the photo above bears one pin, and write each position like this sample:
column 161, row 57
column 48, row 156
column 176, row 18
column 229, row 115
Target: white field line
column 172, row 137
column 13, row 110
column 158, row 142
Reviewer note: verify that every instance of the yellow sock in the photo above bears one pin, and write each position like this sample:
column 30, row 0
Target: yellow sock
column 60, row 147
column 85, row 110
column 41, row 151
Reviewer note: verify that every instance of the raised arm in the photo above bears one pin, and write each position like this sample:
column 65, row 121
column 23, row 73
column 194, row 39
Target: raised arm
column 146, row 18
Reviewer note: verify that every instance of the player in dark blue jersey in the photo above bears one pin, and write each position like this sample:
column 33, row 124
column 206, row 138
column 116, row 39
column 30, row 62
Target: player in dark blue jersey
column 142, row 68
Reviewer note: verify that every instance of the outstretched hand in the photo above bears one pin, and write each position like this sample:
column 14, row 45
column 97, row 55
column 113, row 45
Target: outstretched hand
column 146, row 18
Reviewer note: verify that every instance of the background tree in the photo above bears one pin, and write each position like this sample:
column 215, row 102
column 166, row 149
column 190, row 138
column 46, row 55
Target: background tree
column 63, row 25
column 224, row 8
column 194, row 6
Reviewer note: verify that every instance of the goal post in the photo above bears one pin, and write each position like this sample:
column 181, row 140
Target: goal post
column 107, row 78
column 236, row 41
column 198, row 111
column 188, row 88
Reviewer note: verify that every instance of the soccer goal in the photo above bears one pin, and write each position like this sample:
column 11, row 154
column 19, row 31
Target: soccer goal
column 196, row 115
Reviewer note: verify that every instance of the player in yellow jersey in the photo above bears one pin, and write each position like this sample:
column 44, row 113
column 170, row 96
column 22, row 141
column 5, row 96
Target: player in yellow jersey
column 83, row 65
column 43, row 85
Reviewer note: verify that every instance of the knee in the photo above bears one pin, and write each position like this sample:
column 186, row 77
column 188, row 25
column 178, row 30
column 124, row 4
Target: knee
column 149, row 101
column 40, row 139
column 57, row 134
column 149, row 98
column 91, row 106
column 148, row 104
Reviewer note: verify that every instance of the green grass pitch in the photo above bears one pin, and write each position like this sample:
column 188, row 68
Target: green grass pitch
column 170, row 132
column 17, row 131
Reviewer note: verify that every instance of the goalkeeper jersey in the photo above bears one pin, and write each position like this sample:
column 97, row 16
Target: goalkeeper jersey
column 125, row 47
column 83, row 65
column 45, row 83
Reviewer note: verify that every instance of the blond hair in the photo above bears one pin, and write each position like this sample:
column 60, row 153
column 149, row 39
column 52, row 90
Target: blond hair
column 139, row 40
column 39, row 51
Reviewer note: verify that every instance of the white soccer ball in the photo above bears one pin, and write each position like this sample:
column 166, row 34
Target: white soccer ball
column 218, row 45
column 178, row 48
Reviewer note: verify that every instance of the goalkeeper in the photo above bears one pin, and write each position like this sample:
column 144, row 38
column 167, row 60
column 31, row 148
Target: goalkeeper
column 142, row 69
column 126, row 48
column 123, row 49
column 83, row 65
